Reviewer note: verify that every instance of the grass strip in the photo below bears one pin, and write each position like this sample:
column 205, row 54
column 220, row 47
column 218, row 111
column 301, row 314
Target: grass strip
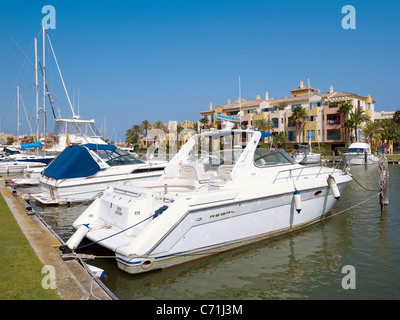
column 20, row 268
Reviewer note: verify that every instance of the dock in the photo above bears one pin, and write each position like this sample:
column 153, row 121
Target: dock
column 339, row 160
column 73, row 281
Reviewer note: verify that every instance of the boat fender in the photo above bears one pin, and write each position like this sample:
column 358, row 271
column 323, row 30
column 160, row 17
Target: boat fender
column 358, row 151
column 98, row 272
column 76, row 238
column 334, row 187
column 297, row 200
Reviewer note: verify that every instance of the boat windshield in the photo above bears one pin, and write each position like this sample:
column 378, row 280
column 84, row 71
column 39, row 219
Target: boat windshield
column 218, row 148
column 355, row 150
column 264, row 157
column 117, row 157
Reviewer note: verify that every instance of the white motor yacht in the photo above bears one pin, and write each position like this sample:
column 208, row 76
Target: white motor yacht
column 81, row 172
column 205, row 204
column 357, row 153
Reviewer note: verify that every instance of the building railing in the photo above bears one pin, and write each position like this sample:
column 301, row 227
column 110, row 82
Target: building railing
column 333, row 137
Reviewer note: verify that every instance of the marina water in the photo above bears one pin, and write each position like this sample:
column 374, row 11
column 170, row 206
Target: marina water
column 308, row 264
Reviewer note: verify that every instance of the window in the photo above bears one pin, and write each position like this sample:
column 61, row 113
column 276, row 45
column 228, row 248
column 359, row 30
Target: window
column 292, row 135
column 312, row 133
column 276, row 122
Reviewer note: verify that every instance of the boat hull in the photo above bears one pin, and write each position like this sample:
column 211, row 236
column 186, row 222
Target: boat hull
column 208, row 232
column 359, row 159
column 310, row 158
column 18, row 166
column 66, row 192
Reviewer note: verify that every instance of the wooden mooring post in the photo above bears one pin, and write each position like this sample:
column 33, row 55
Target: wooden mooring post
column 383, row 182
column 365, row 158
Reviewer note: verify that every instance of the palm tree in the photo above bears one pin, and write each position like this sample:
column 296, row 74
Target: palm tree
column 345, row 107
column 348, row 124
column 264, row 125
column 299, row 117
column 371, row 129
column 396, row 117
column 203, row 121
column 358, row 116
column 390, row 131
column 146, row 125
column 280, row 140
column 132, row 135
column 158, row 125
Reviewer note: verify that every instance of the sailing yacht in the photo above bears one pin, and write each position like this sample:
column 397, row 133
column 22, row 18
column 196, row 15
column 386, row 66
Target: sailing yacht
column 306, row 156
column 205, row 204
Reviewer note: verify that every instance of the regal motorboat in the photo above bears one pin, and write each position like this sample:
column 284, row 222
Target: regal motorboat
column 357, row 153
column 81, row 172
column 306, row 156
column 203, row 204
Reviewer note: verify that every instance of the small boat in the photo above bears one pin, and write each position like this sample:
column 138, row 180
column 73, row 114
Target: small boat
column 306, row 156
column 8, row 166
column 30, row 177
column 205, row 204
column 81, row 172
column 357, row 153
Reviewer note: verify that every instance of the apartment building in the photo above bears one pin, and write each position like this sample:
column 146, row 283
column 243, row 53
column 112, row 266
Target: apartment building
column 324, row 124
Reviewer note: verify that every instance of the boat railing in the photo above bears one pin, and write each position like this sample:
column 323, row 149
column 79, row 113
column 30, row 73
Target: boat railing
column 296, row 173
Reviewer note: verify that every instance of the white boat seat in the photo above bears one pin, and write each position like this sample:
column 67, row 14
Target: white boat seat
column 188, row 171
column 224, row 171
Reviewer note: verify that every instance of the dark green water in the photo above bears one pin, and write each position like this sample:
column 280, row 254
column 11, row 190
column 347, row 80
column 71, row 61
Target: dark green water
column 304, row 265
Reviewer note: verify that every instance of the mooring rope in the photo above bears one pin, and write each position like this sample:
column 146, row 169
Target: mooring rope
column 362, row 185
column 356, row 205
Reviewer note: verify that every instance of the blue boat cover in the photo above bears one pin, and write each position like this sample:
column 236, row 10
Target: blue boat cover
column 36, row 144
column 73, row 162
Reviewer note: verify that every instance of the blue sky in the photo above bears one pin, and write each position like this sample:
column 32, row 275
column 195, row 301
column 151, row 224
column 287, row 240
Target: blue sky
column 167, row 60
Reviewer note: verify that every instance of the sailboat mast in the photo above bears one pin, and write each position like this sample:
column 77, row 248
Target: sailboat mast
column 18, row 115
column 37, row 92
column 309, row 113
column 44, row 86
column 240, row 103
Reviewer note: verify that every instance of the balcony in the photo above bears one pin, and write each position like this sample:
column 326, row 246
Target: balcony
column 332, row 137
